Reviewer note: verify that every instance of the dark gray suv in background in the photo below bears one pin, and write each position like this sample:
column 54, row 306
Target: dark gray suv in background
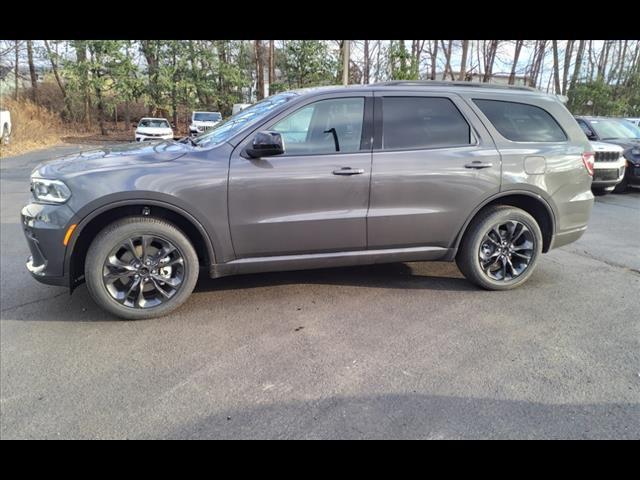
column 401, row 171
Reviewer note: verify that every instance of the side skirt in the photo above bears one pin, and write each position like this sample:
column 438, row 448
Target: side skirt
column 328, row 260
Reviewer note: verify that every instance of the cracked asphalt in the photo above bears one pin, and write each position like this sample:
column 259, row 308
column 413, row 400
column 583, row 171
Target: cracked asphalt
column 390, row 351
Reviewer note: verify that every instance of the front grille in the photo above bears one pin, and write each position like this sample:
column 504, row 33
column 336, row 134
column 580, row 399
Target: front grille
column 607, row 156
column 608, row 174
column 207, row 128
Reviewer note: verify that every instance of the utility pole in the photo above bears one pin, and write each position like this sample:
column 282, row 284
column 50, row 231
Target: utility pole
column 345, row 63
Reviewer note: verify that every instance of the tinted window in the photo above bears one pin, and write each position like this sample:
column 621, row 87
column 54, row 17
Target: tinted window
column 587, row 131
column 327, row 126
column 521, row 122
column 422, row 122
column 153, row 123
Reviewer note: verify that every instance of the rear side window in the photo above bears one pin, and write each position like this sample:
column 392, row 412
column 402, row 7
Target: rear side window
column 422, row 122
column 521, row 122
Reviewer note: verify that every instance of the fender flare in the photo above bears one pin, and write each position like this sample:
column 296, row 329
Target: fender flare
column 86, row 219
column 502, row 194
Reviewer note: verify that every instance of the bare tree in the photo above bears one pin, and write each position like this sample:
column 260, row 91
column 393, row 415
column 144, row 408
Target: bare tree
column 463, row 61
column 366, row 62
column 272, row 63
column 489, row 59
column 568, row 51
column 54, row 67
column 514, row 65
column 32, row 72
column 576, row 68
column 447, row 54
column 257, row 44
column 556, row 66
column 15, row 92
column 434, row 56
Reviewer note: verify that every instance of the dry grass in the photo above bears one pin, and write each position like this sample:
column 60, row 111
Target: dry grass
column 33, row 127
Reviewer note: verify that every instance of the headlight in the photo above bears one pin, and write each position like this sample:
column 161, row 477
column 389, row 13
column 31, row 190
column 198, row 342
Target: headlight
column 49, row 191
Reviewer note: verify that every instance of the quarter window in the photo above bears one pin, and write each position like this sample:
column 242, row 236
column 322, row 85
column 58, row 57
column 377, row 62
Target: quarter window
column 326, row 126
column 422, row 122
column 521, row 122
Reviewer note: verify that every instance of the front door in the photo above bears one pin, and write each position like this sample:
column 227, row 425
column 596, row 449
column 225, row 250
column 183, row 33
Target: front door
column 314, row 197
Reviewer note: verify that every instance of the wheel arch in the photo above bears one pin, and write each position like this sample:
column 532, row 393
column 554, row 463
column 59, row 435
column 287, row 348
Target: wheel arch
column 99, row 218
column 534, row 204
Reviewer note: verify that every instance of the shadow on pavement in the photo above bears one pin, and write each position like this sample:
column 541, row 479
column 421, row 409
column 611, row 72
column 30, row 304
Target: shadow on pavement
column 440, row 276
column 420, row 417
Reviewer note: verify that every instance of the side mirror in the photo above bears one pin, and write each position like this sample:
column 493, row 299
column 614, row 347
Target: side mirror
column 266, row 144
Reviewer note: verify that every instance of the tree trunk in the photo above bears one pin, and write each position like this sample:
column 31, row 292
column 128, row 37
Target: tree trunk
column 366, row 62
column 447, row 54
column 259, row 68
column 576, row 68
column 434, row 57
column 95, row 57
column 32, row 72
column 58, row 81
column 81, row 59
column 556, row 66
column 567, row 63
column 345, row 62
column 463, row 61
column 272, row 63
column 15, row 92
column 490, row 59
column 514, row 66
column 622, row 62
column 603, row 60
column 150, row 51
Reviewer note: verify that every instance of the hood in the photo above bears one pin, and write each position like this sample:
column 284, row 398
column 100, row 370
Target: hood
column 624, row 142
column 154, row 130
column 112, row 157
column 605, row 147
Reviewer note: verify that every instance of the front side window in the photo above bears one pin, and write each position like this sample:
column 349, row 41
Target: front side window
column 611, row 129
column 422, row 122
column 521, row 122
column 326, row 126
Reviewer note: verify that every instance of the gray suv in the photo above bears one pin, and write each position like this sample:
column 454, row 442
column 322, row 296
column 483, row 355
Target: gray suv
column 490, row 177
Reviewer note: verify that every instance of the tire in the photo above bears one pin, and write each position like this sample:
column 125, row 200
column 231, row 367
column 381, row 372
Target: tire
column 599, row 192
column 622, row 186
column 468, row 257
column 5, row 135
column 181, row 268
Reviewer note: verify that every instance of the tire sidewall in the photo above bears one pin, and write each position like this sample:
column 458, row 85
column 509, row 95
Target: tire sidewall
column 117, row 233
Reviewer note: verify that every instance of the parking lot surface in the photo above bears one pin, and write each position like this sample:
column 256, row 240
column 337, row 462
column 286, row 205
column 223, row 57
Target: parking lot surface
column 389, row 351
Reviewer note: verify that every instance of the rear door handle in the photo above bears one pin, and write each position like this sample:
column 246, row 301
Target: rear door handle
column 348, row 171
column 478, row 164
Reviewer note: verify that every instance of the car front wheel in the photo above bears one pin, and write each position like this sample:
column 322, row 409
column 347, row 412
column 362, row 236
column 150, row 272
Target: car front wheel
column 500, row 249
column 141, row 267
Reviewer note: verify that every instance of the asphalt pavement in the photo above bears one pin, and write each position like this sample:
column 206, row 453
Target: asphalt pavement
column 389, row 351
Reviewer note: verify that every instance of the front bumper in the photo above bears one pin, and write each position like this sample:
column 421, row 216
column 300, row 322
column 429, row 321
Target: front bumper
column 44, row 228
column 633, row 174
column 608, row 175
column 144, row 138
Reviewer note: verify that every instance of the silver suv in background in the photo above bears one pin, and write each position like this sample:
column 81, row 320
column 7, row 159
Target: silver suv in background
column 608, row 168
column 485, row 176
column 203, row 121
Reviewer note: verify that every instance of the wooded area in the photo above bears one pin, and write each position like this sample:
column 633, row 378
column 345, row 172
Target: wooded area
column 94, row 82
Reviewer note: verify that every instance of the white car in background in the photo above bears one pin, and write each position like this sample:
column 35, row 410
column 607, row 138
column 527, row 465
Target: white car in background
column 608, row 167
column 203, row 121
column 153, row 129
column 635, row 121
column 5, row 126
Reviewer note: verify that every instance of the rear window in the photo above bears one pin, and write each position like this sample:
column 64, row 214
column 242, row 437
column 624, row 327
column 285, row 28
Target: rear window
column 422, row 122
column 521, row 122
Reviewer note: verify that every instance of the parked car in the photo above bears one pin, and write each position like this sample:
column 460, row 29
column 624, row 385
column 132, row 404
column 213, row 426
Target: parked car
column 488, row 176
column 5, row 122
column 203, row 121
column 153, row 129
column 619, row 132
column 238, row 107
column 608, row 168
column 635, row 121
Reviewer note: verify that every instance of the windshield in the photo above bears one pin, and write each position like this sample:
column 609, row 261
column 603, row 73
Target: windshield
column 207, row 116
column 153, row 123
column 614, row 129
column 228, row 128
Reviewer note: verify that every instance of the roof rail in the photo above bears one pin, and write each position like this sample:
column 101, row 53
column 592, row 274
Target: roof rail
column 443, row 83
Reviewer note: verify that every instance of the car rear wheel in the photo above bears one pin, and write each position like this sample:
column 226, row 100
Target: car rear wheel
column 5, row 135
column 141, row 267
column 500, row 249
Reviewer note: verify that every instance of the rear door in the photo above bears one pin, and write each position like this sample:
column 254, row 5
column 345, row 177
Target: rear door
column 433, row 163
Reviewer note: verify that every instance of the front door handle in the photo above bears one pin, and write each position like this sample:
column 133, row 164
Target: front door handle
column 478, row 164
column 348, row 171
